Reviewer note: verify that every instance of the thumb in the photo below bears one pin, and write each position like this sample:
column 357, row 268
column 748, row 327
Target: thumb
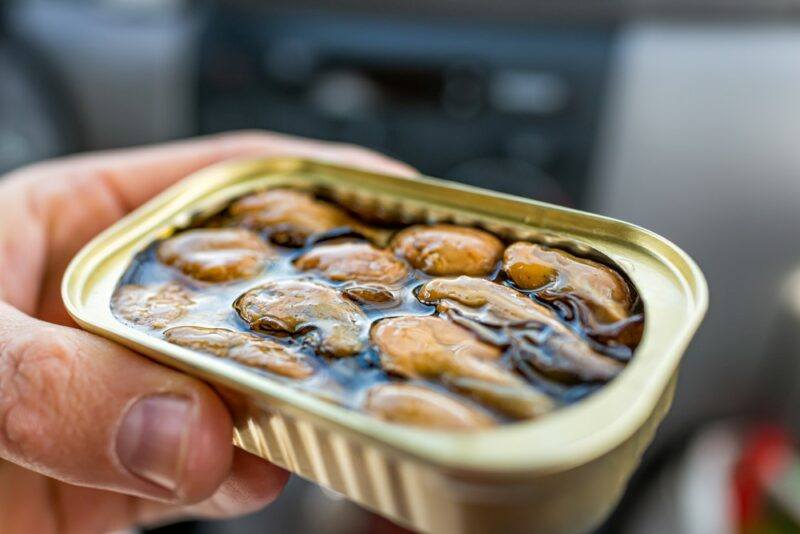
column 86, row 411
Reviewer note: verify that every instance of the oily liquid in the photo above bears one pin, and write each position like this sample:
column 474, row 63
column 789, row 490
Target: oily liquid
column 344, row 381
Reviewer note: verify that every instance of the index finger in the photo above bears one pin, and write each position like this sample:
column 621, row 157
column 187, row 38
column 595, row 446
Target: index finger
column 139, row 173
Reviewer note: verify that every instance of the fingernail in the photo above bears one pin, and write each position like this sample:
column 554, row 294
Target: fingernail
column 153, row 436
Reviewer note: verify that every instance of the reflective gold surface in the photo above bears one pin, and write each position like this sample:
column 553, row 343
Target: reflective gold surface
column 561, row 472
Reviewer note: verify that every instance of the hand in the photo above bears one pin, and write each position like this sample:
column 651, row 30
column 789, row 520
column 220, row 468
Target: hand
column 94, row 437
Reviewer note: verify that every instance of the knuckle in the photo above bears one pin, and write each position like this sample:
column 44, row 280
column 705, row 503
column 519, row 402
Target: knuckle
column 355, row 151
column 246, row 133
column 244, row 137
column 35, row 373
column 25, row 177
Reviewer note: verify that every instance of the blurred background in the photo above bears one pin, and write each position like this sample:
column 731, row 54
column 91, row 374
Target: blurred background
column 681, row 116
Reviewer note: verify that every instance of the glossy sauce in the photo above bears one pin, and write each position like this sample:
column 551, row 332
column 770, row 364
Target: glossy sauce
column 346, row 380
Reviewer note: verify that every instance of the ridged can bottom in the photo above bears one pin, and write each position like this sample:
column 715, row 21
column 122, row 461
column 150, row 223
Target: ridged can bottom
column 429, row 499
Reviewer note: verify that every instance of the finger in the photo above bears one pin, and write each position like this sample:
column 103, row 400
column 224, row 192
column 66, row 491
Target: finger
column 89, row 412
column 252, row 484
column 30, row 502
column 23, row 496
column 137, row 174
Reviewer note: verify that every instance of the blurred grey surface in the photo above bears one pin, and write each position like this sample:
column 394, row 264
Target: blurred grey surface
column 701, row 143
column 127, row 66
column 31, row 126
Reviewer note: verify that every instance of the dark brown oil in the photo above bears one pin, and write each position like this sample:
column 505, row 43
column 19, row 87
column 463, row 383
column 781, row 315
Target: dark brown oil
column 345, row 380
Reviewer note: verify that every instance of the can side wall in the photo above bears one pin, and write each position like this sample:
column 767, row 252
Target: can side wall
column 430, row 500
column 562, row 474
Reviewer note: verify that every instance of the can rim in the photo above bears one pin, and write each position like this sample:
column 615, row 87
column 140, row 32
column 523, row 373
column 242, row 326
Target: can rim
column 570, row 436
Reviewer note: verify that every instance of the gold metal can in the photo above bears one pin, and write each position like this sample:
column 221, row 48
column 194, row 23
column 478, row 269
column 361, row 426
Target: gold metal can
column 561, row 473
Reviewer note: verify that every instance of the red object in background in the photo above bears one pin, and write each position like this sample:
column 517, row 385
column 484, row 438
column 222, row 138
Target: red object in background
column 766, row 453
column 380, row 525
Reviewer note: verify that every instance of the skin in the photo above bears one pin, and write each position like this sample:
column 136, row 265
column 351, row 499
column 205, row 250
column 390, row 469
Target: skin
column 64, row 392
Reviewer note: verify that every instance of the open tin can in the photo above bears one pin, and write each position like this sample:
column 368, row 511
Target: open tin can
column 563, row 472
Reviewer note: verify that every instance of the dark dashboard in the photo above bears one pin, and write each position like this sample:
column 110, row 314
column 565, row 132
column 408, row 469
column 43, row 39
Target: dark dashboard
column 512, row 106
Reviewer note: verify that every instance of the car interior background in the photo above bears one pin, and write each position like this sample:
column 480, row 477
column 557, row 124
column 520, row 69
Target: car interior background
column 683, row 117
